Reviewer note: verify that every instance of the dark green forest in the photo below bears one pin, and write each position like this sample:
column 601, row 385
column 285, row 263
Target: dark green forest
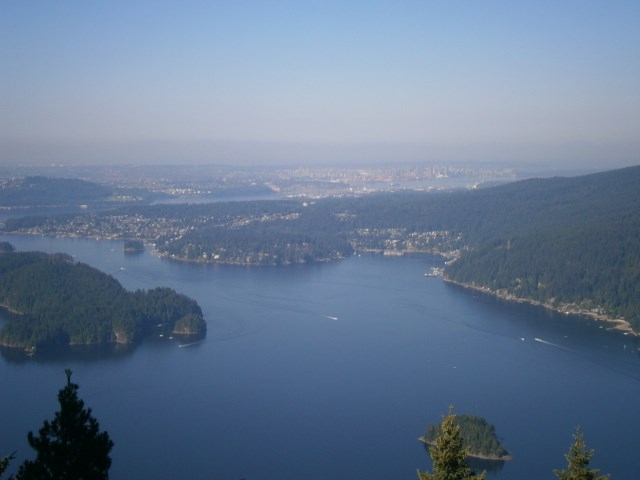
column 479, row 437
column 564, row 242
column 56, row 301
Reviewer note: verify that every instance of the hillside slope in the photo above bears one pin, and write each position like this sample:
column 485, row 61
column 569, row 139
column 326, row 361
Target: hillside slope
column 566, row 242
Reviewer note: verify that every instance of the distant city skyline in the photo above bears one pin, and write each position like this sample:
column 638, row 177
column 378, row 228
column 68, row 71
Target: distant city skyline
column 305, row 82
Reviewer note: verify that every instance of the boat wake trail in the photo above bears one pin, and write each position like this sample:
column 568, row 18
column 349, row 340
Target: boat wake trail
column 555, row 345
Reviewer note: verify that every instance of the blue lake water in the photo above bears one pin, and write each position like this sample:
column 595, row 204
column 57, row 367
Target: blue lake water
column 332, row 372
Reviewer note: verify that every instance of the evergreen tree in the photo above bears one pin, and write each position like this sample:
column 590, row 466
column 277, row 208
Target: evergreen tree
column 4, row 463
column 71, row 447
column 448, row 455
column 578, row 460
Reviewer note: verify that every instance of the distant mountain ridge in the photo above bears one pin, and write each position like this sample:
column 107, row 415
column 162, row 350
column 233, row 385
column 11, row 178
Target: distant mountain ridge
column 39, row 191
column 528, row 205
column 44, row 191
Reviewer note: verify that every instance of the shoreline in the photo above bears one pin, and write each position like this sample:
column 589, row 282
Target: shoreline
column 479, row 456
column 150, row 247
column 619, row 324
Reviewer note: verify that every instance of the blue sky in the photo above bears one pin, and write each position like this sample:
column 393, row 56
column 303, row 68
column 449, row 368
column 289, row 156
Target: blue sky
column 320, row 81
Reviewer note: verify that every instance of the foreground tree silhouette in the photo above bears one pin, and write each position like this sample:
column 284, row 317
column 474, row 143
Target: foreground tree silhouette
column 71, row 447
column 578, row 460
column 4, row 463
column 448, row 456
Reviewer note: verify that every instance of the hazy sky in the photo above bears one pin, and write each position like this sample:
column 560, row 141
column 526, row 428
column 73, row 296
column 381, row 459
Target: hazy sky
column 274, row 81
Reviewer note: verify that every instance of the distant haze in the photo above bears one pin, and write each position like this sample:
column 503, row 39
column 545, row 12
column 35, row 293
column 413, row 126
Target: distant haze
column 305, row 82
column 591, row 156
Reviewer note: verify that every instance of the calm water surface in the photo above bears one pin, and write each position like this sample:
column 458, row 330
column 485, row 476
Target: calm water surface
column 332, row 372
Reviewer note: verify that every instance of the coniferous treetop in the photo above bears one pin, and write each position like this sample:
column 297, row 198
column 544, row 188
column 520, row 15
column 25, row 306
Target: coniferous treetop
column 479, row 437
column 578, row 459
column 71, row 446
column 448, row 454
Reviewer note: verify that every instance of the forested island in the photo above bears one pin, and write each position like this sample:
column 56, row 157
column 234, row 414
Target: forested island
column 133, row 246
column 479, row 438
column 571, row 244
column 55, row 301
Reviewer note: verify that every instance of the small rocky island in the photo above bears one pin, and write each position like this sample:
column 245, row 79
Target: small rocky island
column 479, row 438
column 53, row 301
column 6, row 247
column 133, row 246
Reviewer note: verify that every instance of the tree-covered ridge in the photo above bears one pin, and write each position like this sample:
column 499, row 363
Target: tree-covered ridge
column 40, row 191
column 479, row 437
column 57, row 301
column 576, row 248
column 44, row 191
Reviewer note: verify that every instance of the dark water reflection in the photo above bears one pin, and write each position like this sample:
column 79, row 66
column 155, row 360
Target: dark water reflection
column 64, row 355
column 493, row 467
column 478, row 465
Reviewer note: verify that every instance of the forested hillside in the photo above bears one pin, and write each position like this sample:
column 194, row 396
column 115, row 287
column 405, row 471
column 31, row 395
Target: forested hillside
column 43, row 191
column 570, row 242
column 57, row 301
column 39, row 191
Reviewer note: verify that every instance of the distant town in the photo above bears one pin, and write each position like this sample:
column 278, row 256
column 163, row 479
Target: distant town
column 196, row 182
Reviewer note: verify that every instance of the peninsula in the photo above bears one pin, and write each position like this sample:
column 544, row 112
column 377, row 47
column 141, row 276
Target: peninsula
column 54, row 301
